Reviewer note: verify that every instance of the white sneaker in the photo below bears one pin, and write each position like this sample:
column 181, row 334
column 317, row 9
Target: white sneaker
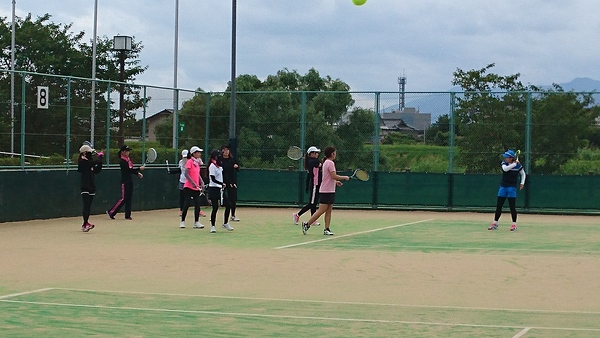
column 212, row 229
column 327, row 232
column 228, row 227
column 197, row 225
column 316, row 224
column 182, row 225
column 235, row 219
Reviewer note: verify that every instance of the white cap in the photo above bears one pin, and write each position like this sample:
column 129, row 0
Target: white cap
column 195, row 149
column 313, row 149
column 86, row 149
column 184, row 153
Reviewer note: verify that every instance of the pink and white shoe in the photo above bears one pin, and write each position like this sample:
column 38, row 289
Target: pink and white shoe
column 513, row 227
column 295, row 218
column 87, row 227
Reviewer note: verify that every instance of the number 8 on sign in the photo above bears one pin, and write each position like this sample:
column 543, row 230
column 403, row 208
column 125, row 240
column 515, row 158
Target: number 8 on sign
column 42, row 97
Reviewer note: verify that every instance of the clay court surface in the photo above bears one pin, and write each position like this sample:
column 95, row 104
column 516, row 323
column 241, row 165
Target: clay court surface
column 383, row 274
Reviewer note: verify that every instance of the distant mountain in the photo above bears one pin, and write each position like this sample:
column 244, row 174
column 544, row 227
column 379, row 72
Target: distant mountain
column 439, row 104
column 580, row 84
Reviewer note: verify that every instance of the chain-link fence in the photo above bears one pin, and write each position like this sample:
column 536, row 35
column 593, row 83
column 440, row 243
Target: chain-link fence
column 426, row 132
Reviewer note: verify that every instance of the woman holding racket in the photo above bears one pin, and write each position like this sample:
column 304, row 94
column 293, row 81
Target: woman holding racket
column 215, row 187
column 326, row 192
column 511, row 170
column 127, row 170
column 192, row 186
column 313, row 181
column 88, row 168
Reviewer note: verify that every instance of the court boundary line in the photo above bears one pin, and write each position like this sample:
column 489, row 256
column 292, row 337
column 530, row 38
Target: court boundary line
column 341, row 319
column 353, row 234
column 25, row 293
column 522, row 333
column 333, row 302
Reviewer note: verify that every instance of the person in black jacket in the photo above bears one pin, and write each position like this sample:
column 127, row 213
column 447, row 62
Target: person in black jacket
column 230, row 168
column 127, row 170
column 313, row 182
column 88, row 168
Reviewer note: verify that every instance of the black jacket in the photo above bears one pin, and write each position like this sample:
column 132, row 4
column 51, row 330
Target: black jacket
column 229, row 172
column 88, row 168
column 126, row 172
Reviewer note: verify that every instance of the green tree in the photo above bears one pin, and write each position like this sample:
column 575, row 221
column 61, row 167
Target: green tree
column 46, row 47
column 438, row 133
column 268, row 117
column 491, row 115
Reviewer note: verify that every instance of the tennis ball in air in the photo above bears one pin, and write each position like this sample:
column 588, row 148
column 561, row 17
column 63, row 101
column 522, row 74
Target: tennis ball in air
column 359, row 2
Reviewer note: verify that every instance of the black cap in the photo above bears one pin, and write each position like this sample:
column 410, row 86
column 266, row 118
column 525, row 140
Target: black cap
column 124, row 147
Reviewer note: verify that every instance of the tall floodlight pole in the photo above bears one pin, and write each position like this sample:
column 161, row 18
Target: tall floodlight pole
column 12, row 80
column 122, row 44
column 93, row 110
column 175, row 96
column 232, row 112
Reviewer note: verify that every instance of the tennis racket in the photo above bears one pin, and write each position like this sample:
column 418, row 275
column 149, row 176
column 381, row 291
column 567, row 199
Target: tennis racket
column 360, row 174
column 168, row 169
column 151, row 155
column 517, row 154
column 295, row 153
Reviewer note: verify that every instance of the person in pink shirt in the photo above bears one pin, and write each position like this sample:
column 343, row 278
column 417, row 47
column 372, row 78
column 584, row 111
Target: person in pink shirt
column 330, row 179
column 192, row 186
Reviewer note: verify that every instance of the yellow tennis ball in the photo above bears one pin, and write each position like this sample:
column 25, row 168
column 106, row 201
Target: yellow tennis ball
column 359, row 2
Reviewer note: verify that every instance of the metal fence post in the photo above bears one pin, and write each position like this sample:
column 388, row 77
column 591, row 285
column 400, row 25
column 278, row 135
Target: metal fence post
column 207, row 128
column 302, row 127
column 451, row 132
column 68, row 132
column 528, row 134
column 144, row 127
column 108, row 123
column 23, row 120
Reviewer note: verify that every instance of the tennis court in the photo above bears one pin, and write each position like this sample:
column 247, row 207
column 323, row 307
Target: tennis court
column 383, row 274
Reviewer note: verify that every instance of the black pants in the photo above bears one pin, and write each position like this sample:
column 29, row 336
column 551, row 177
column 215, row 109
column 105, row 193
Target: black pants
column 511, row 204
column 126, row 193
column 87, row 198
column 181, row 199
column 312, row 203
column 214, row 195
column 191, row 195
column 231, row 199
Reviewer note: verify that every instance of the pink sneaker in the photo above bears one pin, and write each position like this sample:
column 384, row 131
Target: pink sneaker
column 513, row 227
column 87, row 227
column 202, row 214
column 295, row 218
column 493, row 227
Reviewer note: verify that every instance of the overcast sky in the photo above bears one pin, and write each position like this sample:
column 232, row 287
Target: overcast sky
column 368, row 47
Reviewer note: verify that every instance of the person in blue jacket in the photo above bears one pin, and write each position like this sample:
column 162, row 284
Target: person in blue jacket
column 511, row 170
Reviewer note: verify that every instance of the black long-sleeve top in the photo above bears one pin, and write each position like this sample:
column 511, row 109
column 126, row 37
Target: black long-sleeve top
column 127, row 171
column 88, row 168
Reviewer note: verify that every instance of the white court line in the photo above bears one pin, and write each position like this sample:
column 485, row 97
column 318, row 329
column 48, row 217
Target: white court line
column 520, row 334
column 24, row 293
column 446, row 307
column 352, row 234
column 357, row 320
